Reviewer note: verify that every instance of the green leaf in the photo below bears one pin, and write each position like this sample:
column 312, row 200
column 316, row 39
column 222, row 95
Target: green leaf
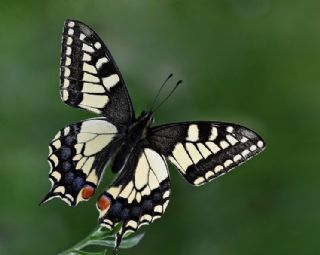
column 106, row 243
column 102, row 237
column 130, row 242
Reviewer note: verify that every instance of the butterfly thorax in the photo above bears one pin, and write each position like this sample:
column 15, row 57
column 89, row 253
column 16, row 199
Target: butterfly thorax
column 138, row 130
column 136, row 134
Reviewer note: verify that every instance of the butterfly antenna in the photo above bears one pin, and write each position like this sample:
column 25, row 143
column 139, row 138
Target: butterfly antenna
column 167, row 97
column 159, row 91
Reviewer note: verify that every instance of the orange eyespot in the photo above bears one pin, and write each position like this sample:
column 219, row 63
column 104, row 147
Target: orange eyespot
column 87, row 192
column 103, row 203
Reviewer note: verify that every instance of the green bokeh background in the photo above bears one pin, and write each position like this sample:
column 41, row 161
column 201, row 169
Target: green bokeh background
column 253, row 62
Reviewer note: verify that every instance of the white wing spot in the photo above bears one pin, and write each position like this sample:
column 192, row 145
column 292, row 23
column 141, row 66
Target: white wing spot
column 224, row 144
column 138, row 197
column 182, row 157
column 228, row 163
column 260, row 144
column 237, row 158
column 97, row 45
column 209, row 174
column 55, row 159
column 65, row 95
column 71, row 24
column 218, row 169
column 81, row 163
column 165, row 205
column 82, row 36
column 79, row 146
column 141, row 173
column 158, row 209
column 173, row 161
column 68, row 61
column 82, row 138
column 89, row 68
column 157, row 164
column 146, row 191
column 57, row 136
column 214, row 134
column 153, row 182
column 77, row 157
column 213, row 147
column 199, row 181
column 70, row 31
column 193, row 152
column 92, row 88
column 59, row 189
column 253, row 147
column 203, row 150
column 245, row 153
column 95, row 101
column 166, row 194
column 132, row 196
column 100, row 62
column 88, row 165
column 69, row 41
column 86, row 57
column 193, row 133
column 92, row 109
column 114, row 191
column 57, row 144
column 66, row 83
column 98, row 126
column 230, row 129
column 110, row 81
column 231, row 139
column 68, row 51
column 244, row 139
column 127, row 190
column 87, row 48
column 56, row 175
column 90, row 78
column 66, row 72
column 132, row 224
column 146, row 217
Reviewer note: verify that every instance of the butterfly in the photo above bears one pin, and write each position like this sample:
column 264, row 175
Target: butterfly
column 79, row 153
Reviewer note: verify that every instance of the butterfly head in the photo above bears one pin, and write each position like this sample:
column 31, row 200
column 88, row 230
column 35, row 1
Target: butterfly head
column 147, row 117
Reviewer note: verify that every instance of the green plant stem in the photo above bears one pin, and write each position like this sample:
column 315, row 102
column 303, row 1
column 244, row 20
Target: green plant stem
column 81, row 244
column 103, row 238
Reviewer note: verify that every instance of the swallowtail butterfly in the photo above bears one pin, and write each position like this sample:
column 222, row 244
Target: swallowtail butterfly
column 79, row 153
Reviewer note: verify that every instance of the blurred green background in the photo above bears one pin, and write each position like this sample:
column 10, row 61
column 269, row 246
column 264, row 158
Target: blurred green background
column 253, row 62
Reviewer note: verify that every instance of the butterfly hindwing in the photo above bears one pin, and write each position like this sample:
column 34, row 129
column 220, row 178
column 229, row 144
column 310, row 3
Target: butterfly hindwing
column 89, row 77
column 139, row 195
column 203, row 151
column 77, row 157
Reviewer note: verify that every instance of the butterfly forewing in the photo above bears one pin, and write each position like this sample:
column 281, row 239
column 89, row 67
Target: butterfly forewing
column 89, row 77
column 203, row 151
column 77, row 157
column 139, row 195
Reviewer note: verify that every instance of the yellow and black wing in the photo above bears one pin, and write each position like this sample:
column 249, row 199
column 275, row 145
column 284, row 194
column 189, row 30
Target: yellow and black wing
column 77, row 157
column 90, row 78
column 203, row 151
column 139, row 195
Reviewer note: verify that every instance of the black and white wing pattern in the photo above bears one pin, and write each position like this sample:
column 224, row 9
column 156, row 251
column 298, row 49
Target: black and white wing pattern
column 139, row 195
column 89, row 77
column 203, row 151
column 78, row 155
